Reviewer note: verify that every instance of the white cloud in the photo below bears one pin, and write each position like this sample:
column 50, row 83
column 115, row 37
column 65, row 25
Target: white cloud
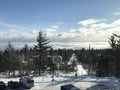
column 49, row 31
column 35, row 32
column 12, row 31
column 99, row 26
column 76, row 45
column 116, row 23
column 94, row 33
column 116, row 13
column 88, row 22
column 14, row 36
column 55, row 27
column 10, row 25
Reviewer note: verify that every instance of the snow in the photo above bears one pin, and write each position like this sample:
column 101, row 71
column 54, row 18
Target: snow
column 78, row 66
column 81, row 70
column 83, row 82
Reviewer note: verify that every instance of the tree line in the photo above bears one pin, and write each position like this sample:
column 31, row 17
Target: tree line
column 102, row 62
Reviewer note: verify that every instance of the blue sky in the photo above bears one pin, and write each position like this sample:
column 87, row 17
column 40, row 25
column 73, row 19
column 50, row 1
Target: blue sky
column 25, row 18
column 43, row 13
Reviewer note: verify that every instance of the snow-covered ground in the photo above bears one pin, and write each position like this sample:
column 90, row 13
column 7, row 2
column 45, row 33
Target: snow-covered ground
column 84, row 82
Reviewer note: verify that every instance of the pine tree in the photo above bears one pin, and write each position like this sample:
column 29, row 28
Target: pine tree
column 12, row 63
column 114, row 55
column 42, row 48
column 25, row 51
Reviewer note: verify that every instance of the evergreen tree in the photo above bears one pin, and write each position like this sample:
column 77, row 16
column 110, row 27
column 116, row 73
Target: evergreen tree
column 26, row 65
column 2, row 63
column 42, row 49
column 10, row 56
column 112, row 42
column 113, row 55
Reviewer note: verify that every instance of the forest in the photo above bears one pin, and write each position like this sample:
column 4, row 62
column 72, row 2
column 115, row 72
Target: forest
column 37, row 60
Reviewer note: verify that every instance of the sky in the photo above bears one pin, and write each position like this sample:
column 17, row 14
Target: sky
column 67, row 23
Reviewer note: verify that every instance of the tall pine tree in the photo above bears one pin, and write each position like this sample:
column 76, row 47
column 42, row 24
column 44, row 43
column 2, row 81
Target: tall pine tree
column 41, row 48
